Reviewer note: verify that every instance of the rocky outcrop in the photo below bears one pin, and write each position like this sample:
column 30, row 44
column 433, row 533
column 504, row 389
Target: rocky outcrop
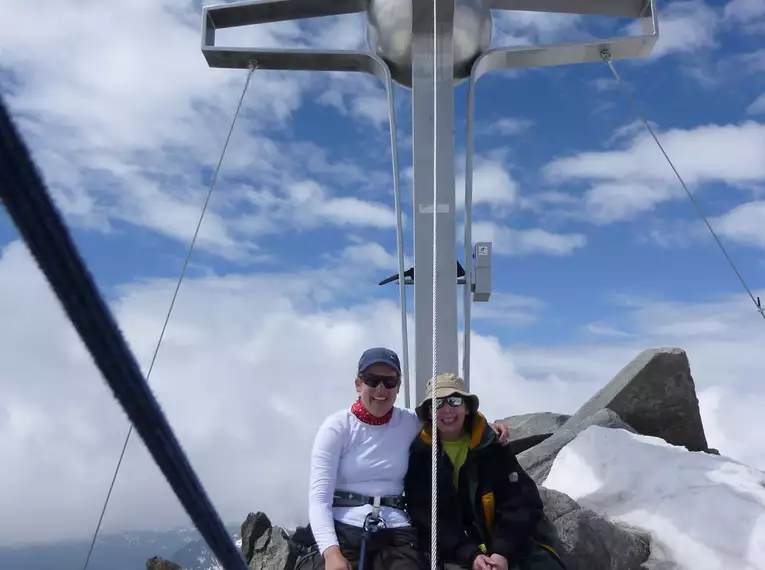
column 587, row 541
column 538, row 460
column 528, row 430
column 157, row 563
column 265, row 546
column 653, row 395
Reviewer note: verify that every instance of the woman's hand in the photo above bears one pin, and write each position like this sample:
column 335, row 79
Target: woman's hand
column 334, row 559
column 500, row 562
column 483, row 562
column 502, row 431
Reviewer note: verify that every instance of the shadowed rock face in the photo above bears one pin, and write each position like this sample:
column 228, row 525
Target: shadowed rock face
column 265, row 546
column 587, row 541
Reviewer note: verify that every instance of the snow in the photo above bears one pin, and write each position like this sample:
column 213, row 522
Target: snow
column 703, row 512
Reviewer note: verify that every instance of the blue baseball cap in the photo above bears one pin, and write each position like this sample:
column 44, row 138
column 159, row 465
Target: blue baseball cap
column 379, row 355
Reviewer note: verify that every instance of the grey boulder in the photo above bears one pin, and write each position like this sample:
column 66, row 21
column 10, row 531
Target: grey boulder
column 265, row 546
column 587, row 541
column 655, row 394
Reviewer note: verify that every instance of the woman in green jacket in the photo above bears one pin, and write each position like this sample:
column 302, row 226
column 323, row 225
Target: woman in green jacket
column 490, row 514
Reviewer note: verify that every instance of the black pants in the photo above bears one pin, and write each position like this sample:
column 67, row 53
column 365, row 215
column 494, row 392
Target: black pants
column 387, row 549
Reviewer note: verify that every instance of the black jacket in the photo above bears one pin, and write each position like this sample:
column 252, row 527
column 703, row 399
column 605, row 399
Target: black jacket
column 497, row 508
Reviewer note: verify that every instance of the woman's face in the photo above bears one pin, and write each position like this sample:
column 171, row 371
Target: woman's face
column 450, row 417
column 378, row 387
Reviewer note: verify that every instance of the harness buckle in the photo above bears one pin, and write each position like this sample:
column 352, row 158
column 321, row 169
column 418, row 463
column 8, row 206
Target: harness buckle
column 373, row 522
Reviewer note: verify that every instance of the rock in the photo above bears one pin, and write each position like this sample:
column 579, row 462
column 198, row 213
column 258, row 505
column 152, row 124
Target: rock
column 659, row 565
column 157, row 563
column 528, row 430
column 538, row 460
column 265, row 546
column 590, row 542
column 713, row 451
column 654, row 394
column 303, row 536
column 587, row 541
column 557, row 504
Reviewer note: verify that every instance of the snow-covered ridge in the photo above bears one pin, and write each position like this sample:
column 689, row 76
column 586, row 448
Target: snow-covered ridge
column 702, row 511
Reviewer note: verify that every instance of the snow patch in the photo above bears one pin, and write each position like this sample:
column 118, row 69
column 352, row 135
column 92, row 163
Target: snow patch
column 702, row 511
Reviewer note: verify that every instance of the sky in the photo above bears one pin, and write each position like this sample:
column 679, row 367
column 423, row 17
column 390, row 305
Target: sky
column 598, row 253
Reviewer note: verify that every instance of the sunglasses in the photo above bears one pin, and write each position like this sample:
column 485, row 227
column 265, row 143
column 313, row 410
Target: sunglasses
column 453, row 401
column 373, row 380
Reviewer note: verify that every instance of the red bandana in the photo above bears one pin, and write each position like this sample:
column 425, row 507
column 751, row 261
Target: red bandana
column 364, row 415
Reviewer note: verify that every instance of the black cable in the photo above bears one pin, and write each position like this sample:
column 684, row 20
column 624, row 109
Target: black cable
column 39, row 223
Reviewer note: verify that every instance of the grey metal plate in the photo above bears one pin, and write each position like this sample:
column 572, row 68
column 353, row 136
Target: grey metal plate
column 266, row 11
column 562, row 54
column 617, row 8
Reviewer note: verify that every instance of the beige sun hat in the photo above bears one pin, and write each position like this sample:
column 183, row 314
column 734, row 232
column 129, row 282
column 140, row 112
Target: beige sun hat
column 448, row 384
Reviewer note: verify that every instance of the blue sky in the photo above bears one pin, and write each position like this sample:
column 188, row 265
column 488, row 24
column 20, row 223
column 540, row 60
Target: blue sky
column 598, row 252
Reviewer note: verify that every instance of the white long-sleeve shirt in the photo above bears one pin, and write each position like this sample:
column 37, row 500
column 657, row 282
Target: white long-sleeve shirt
column 350, row 455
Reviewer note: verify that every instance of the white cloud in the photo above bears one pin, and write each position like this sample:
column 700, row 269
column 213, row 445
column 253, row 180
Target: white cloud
column 743, row 10
column 527, row 28
column 121, row 130
column 510, row 241
column 372, row 255
column 245, row 408
column 636, row 178
column 749, row 14
column 744, row 224
column 612, row 201
column 493, row 185
column 757, row 106
column 506, row 126
column 309, row 204
column 684, row 27
column 508, row 309
column 753, row 61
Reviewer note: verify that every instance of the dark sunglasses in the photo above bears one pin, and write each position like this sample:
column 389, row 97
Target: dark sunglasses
column 373, row 380
column 453, row 401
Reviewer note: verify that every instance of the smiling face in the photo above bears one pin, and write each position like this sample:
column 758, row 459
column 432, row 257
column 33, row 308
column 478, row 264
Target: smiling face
column 450, row 417
column 378, row 398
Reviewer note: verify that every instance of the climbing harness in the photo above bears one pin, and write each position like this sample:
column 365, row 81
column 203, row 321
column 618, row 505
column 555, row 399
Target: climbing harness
column 372, row 523
column 348, row 499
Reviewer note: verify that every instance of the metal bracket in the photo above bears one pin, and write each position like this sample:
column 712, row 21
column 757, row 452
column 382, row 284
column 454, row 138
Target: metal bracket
column 544, row 56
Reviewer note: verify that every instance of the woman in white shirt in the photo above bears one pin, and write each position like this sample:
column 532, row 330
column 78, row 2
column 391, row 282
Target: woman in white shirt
column 359, row 460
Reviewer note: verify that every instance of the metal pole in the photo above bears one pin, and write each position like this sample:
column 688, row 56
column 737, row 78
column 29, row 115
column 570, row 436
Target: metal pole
column 433, row 81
